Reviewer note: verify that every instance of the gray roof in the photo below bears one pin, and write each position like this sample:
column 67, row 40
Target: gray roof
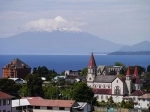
column 16, row 64
column 105, row 78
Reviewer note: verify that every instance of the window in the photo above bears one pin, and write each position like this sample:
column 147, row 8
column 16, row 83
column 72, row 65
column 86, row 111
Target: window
column 117, row 90
column 0, row 102
column 90, row 78
column 24, row 107
column 18, row 108
column 102, row 97
column 61, row 108
column 30, row 107
column 106, row 97
column 99, row 86
column 147, row 104
column 143, row 99
column 37, row 107
column 4, row 102
column 104, row 86
column 49, row 108
column 8, row 102
column 117, row 81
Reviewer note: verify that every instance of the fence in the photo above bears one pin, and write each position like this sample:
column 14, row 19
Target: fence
column 104, row 109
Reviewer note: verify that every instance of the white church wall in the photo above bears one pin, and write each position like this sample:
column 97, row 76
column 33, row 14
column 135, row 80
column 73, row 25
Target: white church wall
column 102, row 97
column 102, row 85
column 117, row 82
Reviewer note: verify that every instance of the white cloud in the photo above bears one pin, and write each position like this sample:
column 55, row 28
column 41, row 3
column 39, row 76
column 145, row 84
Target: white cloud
column 57, row 23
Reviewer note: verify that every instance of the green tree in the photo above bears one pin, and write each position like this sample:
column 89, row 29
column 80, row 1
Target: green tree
column 34, row 85
column 120, row 64
column 82, row 93
column 24, row 91
column 51, row 92
column 10, row 87
column 148, row 68
column 84, row 72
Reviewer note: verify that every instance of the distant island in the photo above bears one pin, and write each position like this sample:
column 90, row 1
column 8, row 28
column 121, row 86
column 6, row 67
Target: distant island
column 130, row 53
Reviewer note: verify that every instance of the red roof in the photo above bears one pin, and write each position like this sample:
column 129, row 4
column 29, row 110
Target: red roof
column 135, row 72
column 51, row 103
column 138, row 81
column 138, row 93
column 102, row 91
column 5, row 95
column 128, row 72
column 92, row 61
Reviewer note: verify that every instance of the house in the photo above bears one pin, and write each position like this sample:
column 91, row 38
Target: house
column 16, row 69
column 109, row 70
column 18, row 80
column 46, row 105
column 74, row 73
column 144, row 101
column 5, row 102
column 84, row 107
column 105, row 86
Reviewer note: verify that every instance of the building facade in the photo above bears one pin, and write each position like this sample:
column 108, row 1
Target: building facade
column 5, row 102
column 105, row 86
column 16, row 69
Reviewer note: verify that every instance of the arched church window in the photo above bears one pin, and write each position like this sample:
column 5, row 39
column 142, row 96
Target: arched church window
column 102, row 97
column 117, row 81
column 104, row 86
column 117, row 90
column 90, row 78
column 99, row 86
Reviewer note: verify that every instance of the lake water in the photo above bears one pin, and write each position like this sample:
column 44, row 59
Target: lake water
column 74, row 62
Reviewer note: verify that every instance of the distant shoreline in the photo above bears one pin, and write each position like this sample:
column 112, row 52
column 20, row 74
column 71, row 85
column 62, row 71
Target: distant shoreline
column 130, row 53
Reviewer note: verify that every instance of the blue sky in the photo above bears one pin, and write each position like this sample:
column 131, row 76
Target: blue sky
column 120, row 21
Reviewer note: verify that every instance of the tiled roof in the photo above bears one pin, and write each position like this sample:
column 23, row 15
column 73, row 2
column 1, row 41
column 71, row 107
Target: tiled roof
column 92, row 61
column 138, row 93
column 146, row 96
column 52, row 103
column 138, row 81
column 16, row 63
column 5, row 95
column 105, row 78
column 102, row 91
column 128, row 73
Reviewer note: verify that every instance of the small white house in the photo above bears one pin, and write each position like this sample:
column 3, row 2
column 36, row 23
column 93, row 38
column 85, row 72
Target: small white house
column 144, row 101
column 5, row 102
column 18, row 80
column 43, row 105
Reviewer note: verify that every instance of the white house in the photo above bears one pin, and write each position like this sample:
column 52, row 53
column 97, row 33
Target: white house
column 44, row 105
column 144, row 101
column 5, row 102
column 18, row 80
column 106, row 86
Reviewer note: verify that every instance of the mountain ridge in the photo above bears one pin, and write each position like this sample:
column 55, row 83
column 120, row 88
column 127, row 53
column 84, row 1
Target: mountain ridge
column 55, row 42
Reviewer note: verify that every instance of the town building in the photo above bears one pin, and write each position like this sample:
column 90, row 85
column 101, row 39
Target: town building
column 106, row 85
column 37, row 104
column 16, row 69
column 5, row 102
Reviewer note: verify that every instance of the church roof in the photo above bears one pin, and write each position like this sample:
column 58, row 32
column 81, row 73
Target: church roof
column 135, row 72
column 105, row 78
column 102, row 91
column 17, row 64
column 92, row 61
column 128, row 73
column 138, row 93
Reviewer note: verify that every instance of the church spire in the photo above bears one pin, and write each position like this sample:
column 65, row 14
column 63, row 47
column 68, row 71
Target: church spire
column 92, row 61
column 128, row 73
column 135, row 72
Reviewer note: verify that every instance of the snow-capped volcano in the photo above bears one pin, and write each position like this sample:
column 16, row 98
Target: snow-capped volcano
column 49, row 25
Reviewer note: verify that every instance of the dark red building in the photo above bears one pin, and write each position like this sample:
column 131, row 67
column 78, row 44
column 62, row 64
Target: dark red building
column 16, row 69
